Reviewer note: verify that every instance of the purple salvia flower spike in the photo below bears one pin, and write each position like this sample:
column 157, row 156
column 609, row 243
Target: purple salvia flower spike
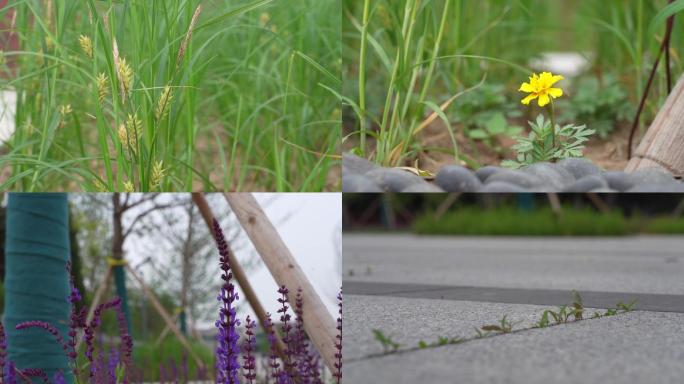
column 338, row 344
column 34, row 372
column 228, row 349
column 3, row 351
column 249, row 346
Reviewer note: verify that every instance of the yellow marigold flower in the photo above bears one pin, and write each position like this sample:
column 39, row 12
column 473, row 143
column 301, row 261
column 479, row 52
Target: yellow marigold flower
column 86, row 45
column 540, row 86
column 102, row 87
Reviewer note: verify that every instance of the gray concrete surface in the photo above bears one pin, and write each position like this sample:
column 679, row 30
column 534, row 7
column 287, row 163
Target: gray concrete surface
column 637, row 347
column 643, row 301
column 421, row 288
column 643, row 264
column 408, row 321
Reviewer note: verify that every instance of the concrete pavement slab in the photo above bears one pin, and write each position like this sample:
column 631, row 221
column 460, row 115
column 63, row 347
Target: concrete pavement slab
column 643, row 301
column 408, row 321
column 636, row 347
column 641, row 264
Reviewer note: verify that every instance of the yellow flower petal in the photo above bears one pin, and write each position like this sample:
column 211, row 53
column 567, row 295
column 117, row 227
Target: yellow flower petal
column 529, row 98
column 555, row 79
column 544, row 99
column 555, row 92
column 526, row 87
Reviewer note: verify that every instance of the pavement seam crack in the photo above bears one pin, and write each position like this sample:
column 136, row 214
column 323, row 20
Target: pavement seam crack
column 476, row 338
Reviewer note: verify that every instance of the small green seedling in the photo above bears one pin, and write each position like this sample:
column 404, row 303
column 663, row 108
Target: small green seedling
column 548, row 143
column 626, row 307
column 577, row 309
column 388, row 345
column 495, row 127
column 504, row 326
column 560, row 317
column 544, row 321
column 442, row 340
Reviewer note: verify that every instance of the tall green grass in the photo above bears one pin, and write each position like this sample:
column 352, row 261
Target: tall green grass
column 572, row 221
column 511, row 221
column 405, row 62
column 228, row 96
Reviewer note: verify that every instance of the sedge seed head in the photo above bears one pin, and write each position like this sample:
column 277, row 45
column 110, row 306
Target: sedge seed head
column 163, row 103
column 100, row 186
column 65, row 110
column 123, row 134
column 134, row 125
column 86, row 45
column 264, row 19
column 129, row 187
column 158, row 173
column 126, row 75
column 102, row 87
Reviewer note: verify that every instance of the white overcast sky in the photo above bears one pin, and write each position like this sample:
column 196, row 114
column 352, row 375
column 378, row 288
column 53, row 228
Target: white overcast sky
column 312, row 232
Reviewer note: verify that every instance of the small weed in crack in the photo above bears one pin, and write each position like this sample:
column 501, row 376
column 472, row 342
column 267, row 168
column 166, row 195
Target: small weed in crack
column 388, row 345
column 562, row 315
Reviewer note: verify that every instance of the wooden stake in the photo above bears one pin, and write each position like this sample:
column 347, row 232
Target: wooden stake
column 164, row 332
column 239, row 274
column 318, row 323
column 96, row 301
column 663, row 144
column 162, row 312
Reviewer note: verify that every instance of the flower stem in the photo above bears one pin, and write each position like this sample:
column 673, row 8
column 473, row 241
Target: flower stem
column 553, row 124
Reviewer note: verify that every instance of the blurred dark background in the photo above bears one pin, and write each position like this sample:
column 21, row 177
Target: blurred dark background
column 518, row 214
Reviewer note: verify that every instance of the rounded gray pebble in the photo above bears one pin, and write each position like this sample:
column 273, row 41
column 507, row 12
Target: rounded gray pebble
column 657, row 188
column 652, row 176
column 454, row 178
column 352, row 164
column 502, row 187
column 554, row 177
column 516, row 177
column 618, row 180
column 579, row 167
column 587, row 184
column 486, row 171
column 393, row 179
column 422, row 188
column 359, row 183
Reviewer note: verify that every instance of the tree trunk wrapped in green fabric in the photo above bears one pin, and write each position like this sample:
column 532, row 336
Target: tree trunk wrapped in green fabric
column 36, row 280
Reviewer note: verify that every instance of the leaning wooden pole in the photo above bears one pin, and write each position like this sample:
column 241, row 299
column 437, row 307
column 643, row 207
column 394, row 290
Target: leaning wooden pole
column 318, row 322
column 663, row 144
column 239, row 274
column 165, row 316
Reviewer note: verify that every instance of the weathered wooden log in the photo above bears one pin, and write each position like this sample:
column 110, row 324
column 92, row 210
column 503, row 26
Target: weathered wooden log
column 663, row 144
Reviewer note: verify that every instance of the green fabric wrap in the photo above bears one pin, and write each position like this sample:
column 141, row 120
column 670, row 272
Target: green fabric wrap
column 120, row 284
column 36, row 279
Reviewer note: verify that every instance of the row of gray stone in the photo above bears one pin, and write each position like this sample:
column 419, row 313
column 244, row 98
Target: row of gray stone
column 568, row 175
